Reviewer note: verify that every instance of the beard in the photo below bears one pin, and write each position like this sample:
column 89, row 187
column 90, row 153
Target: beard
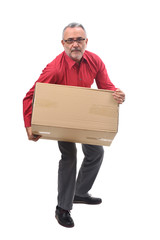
column 76, row 55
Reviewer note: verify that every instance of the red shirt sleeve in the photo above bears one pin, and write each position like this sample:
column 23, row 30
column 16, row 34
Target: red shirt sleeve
column 48, row 76
column 102, row 79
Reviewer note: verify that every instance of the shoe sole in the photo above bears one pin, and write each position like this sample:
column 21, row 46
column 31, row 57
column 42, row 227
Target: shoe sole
column 86, row 203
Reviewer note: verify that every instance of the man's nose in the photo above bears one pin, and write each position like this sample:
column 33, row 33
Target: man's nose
column 75, row 44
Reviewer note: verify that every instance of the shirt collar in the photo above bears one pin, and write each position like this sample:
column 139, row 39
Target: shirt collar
column 84, row 56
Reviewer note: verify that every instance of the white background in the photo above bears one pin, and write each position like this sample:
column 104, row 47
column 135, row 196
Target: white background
column 125, row 34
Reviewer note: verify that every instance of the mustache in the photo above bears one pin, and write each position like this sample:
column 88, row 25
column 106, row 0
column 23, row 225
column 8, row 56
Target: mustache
column 75, row 49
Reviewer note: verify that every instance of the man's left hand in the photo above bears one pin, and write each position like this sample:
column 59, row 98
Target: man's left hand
column 119, row 96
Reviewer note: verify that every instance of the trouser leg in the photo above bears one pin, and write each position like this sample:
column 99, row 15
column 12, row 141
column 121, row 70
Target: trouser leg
column 67, row 174
column 89, row 168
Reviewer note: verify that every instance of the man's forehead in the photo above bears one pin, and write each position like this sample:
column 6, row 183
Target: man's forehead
column 74, row 32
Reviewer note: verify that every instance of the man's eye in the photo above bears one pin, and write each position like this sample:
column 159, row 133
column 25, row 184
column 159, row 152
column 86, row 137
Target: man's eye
column 70, row 40
column 79, row 39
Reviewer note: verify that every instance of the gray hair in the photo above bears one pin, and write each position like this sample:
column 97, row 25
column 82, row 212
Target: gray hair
column 73, row 25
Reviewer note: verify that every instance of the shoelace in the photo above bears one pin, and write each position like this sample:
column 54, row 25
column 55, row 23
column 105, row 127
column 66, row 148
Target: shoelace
column 65, row 211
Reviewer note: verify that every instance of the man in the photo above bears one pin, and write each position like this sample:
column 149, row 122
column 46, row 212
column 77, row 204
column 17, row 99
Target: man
column 75, row 67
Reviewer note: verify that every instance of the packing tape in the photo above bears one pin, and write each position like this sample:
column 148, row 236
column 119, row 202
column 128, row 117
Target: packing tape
column 100, row 139
column 46, row 133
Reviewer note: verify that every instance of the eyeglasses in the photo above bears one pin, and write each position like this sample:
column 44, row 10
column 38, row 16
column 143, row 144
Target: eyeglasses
column 71, row 40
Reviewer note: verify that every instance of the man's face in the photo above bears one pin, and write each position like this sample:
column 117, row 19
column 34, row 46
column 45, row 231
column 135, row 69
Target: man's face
column 74, row 49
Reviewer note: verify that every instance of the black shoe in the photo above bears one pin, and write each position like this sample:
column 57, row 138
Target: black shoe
column 63, row 217
column 87, row 200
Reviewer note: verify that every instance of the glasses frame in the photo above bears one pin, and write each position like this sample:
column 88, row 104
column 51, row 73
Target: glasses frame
column 71, row 40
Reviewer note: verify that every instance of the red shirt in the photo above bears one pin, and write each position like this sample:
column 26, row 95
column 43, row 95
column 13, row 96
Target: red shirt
column 63, row 70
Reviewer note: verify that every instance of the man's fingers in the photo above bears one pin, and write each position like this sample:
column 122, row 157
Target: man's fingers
column 119, row 96
column 31, row 136
column 36, row 137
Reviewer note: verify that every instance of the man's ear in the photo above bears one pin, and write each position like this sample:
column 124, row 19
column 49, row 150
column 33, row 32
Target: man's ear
column 62, row 42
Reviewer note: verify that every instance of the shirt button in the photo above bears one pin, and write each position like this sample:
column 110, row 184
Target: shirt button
column 80, row 79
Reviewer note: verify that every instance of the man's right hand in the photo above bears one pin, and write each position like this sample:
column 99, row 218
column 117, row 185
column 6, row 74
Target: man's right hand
column 32, row 137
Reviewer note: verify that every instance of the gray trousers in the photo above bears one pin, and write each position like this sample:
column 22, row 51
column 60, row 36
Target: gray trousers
column 68, row 185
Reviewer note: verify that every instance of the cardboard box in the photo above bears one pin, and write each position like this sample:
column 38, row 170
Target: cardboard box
column 74, row 114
